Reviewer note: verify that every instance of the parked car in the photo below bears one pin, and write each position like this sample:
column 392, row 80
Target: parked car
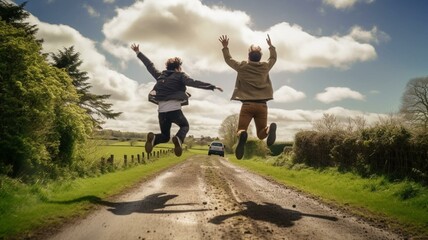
column 216, row 148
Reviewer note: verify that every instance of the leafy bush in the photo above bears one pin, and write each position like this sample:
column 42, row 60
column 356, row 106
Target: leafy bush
column 277, row 148
column 314, row 148
column 255, row 148
column 387, row 148
column 42, row 125
column 407, row 191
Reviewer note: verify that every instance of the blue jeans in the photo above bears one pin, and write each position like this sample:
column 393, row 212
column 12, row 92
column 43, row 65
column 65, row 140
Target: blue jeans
column 166, row 119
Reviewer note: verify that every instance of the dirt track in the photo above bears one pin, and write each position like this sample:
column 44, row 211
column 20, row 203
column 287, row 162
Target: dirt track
column 206, row 197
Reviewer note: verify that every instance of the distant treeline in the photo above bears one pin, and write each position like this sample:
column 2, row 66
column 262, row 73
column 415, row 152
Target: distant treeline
column 118, row 135
column 108, row 134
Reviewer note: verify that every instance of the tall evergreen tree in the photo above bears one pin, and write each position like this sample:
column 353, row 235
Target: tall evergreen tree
column 15, row 15
column 95, row 105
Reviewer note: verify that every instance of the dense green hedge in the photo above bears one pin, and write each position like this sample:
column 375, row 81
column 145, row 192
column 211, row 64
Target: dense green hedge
column 42, row 126
column 278, row 148
column 254, row 148
column 382, row 149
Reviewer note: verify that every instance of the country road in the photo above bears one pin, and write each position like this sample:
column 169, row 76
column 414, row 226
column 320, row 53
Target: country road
column 207, row 197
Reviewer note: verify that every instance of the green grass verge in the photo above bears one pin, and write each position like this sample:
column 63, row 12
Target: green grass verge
column 25, row 208
column 402, row 205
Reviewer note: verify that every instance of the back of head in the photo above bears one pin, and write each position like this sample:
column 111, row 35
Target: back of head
column 173, row 63
column 254, row 53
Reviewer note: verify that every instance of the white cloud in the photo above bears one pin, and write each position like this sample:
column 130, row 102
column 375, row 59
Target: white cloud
column 287, row 94
column 103, row 79
column 190, row 29
column 207, row 109
column 334, row 94
column 344, row 4
column 291, row 121
column 91, row 11
column 109, row 1
column 374, row 35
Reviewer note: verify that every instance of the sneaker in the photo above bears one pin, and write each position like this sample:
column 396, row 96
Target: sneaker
column 150, row 142
column 177, row 146
column 239, row 151
column 271, row 134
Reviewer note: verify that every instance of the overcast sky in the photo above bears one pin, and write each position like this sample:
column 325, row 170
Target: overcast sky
column 344, row 57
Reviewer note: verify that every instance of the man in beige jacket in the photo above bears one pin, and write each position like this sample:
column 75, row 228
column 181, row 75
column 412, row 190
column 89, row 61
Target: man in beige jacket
column 253, row 88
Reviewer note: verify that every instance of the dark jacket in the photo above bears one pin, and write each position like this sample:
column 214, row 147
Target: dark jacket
column 252, row 82
column 171, row 85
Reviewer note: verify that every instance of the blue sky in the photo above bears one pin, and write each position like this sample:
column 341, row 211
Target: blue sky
column 345, row 57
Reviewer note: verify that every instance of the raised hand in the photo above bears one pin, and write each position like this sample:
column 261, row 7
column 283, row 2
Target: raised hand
column 135, row 47
column 269, row 42
column 224, row 40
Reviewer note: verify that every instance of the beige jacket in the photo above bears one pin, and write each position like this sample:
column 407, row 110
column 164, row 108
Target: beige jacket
column 252, row 81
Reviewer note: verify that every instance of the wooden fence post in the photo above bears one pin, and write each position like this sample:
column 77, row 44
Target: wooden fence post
column 138, row 158
column 125, row 160
column 111, row 160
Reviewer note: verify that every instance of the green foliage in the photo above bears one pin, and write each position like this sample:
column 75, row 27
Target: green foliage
column 227, row 131
column 278, row 148
column 313, row 148
column 255, row 148
column 15, row 15
column 95, row 105
column 388, row 148
column 42, row 125
column 407, row 191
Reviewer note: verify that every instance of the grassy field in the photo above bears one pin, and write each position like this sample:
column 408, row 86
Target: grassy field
column 24, row 208
column 119, row 149
column 402, row 205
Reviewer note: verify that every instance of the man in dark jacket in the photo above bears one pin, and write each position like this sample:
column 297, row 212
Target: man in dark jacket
column 253, row 88
column 169, row 93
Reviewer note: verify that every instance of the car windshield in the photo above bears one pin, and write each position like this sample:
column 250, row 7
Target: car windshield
column 217, row 144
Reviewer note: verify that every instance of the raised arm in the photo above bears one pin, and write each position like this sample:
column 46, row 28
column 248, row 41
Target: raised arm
column 269, row 42
column 272, row 52
column 226, row 54
column 149, row 65
column 224, row 40
column 188, row 81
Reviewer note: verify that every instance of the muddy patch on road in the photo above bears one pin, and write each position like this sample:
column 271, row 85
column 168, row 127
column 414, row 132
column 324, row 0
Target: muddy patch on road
column 234, row 216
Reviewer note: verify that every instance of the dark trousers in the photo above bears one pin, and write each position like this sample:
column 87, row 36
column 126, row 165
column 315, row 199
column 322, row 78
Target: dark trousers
column 166, row 119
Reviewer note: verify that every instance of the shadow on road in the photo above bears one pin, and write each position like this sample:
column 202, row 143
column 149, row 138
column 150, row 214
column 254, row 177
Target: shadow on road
column 269, row 212
column 154, row 203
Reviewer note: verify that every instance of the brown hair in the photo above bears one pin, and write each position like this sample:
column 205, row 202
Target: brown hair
column 254, row 53
column 173, row 63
